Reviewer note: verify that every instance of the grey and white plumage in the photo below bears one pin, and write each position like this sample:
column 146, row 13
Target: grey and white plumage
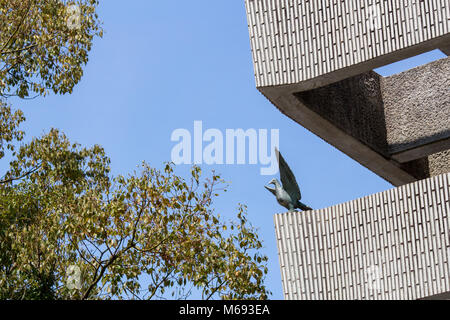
column 288, row 194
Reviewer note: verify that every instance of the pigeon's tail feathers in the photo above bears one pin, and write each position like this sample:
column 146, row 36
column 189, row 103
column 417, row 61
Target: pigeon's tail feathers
column 302, row 206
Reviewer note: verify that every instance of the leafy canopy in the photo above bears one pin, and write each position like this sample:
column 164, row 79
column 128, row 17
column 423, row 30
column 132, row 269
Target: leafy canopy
column 68, row 228
column 44, row 44
column 142, row 236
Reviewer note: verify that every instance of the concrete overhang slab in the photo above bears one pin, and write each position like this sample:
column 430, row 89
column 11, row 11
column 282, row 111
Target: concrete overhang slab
column 391, row 125
column 313, row 61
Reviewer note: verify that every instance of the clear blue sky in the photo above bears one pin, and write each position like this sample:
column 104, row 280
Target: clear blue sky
column 163, row 64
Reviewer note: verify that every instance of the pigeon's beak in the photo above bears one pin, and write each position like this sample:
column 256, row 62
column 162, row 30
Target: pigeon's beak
column 272, row 190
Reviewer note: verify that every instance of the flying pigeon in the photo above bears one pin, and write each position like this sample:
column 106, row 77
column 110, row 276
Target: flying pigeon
column 289, row 194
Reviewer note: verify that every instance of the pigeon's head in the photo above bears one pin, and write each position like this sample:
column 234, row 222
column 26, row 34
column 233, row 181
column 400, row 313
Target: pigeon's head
column 273, row 181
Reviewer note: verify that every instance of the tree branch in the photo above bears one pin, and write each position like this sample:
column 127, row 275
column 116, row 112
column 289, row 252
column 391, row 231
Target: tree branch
column 22, row 176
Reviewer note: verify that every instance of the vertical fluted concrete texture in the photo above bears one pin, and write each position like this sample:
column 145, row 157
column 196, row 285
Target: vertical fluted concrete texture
column 294, row 41
column 390, row 245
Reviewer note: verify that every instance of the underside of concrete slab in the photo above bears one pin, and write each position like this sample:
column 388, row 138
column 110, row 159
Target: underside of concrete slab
column 391, row 125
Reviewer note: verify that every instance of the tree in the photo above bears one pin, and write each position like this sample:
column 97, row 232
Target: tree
column 64, row 217
column 44, row 44
column 9, row 132
column 139, row 236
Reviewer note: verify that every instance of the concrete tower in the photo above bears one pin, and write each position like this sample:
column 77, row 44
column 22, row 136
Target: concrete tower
column 313, row 60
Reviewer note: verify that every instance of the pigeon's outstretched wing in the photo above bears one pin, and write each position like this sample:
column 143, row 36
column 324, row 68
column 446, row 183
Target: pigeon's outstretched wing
column 288, row 179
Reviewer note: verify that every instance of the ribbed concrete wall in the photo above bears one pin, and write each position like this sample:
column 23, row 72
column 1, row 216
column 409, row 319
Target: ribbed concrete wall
column 390, row 245
column 298, row 40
